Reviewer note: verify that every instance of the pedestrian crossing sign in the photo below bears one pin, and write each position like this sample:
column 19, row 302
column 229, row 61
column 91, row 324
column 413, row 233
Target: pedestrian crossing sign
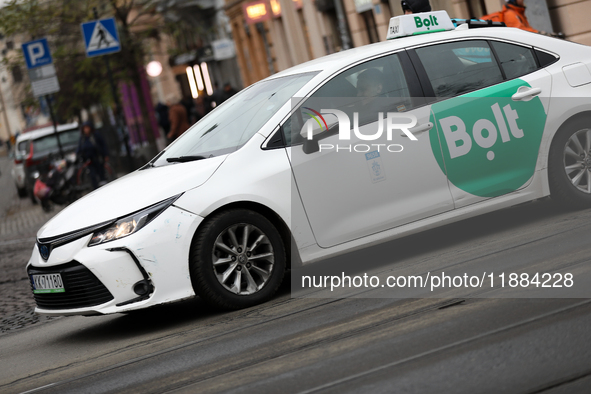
column 100, row 37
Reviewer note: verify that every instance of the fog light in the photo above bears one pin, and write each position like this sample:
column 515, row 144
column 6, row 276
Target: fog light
column 142, row 287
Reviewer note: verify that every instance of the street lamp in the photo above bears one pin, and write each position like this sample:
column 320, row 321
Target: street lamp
column 154, row 68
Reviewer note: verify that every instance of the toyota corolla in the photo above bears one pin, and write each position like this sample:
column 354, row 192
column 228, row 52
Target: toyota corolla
column 352, row 149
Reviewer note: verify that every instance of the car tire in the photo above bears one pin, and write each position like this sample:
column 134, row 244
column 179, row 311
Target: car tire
column 569, row 164
column 32, row 197
column 22, row 192
column 229, row 276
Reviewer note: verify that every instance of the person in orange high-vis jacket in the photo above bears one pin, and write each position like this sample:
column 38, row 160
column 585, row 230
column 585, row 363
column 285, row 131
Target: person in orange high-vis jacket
column 513, row 14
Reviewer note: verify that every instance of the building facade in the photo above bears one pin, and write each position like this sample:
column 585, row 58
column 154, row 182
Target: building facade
column 15, row 116
column 272, row 35
column 198, row 52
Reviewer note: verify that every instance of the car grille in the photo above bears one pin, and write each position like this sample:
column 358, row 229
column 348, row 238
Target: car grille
column 83, row 289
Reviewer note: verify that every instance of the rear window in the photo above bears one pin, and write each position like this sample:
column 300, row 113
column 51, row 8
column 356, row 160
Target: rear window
column 48, row 143
column 22, row 148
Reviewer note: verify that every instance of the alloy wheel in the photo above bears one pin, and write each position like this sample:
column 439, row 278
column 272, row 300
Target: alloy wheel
column 577, row 160
column 243, row 259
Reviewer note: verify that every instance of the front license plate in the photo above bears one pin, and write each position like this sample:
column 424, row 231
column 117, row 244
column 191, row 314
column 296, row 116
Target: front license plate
column 47, row 283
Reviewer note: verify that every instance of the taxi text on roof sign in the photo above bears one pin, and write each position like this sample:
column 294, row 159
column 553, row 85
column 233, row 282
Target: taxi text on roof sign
column 424, row 22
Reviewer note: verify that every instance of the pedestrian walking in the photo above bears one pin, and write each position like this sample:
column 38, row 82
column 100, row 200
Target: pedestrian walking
column 177, row 114
column 216, row 97
column 189, row 105
column 202, row 107
column 93, row 149
column 228, row 92
column 162, row 116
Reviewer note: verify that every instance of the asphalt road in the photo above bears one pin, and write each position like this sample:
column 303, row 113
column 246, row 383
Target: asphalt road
column 368, row 343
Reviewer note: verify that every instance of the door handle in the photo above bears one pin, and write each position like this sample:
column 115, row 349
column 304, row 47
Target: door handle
column 419, row 129
column 523, row 93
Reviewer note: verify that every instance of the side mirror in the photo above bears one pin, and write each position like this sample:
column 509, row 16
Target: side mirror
column 310, row 146
column 309, row 133
column 312, row 132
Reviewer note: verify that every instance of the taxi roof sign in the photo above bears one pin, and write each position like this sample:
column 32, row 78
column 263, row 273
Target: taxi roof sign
column 421, row 23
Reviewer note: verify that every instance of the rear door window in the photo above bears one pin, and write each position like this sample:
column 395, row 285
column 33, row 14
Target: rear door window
column 459, row 67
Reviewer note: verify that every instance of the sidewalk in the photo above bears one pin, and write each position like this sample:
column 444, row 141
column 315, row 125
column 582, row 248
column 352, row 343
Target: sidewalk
column 17, row 239
column 19, row 222
column 22, row 219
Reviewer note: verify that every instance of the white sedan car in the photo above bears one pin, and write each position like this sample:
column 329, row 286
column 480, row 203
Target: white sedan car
column 349, row 150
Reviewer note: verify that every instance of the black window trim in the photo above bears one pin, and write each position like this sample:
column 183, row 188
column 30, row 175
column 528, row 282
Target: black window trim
column 428, row 92
column 497, row 59
column 268, row 143
column 415, row 88
column 538, row 49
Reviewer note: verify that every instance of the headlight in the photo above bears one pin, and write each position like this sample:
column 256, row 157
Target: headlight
column 130, row 224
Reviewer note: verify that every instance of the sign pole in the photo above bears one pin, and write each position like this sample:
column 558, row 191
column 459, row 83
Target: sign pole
column 118, row 121
column 43, row 77
column 59, row 144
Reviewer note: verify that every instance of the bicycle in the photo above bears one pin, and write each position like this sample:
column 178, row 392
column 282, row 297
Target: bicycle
column 83, row 178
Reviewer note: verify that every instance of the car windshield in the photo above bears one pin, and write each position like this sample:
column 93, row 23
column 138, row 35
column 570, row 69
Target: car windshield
column 49, row 142
column 231, row 125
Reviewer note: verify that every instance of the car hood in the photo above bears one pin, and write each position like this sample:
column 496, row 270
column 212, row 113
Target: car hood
column 131, row 193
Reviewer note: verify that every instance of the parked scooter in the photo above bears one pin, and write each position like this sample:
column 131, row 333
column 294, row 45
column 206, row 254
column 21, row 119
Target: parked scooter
column 58, row 185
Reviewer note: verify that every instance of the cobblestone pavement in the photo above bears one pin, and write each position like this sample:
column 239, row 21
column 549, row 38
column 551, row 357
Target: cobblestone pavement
column 19, row 222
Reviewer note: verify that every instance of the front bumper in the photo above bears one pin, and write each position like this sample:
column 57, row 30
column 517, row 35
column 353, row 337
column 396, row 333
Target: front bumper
column 100, row 279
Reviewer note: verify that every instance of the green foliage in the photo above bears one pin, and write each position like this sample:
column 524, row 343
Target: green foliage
column 83, row 81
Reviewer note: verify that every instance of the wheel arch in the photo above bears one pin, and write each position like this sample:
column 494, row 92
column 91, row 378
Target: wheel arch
column 275, row 220
column 573, row 122
column 585, row 115
column 569, row 122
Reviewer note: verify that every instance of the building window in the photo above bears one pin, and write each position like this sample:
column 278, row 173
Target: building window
column 370, row 25
column 17, row 74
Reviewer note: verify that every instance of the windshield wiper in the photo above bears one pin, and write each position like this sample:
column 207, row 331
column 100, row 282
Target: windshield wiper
column 184, row 159
column 150, row 164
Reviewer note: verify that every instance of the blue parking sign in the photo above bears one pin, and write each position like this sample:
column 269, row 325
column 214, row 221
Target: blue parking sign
column 37, row 53
column 100, row 37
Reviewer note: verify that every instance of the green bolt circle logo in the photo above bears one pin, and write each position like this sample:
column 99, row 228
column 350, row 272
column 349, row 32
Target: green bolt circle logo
column 487, row 143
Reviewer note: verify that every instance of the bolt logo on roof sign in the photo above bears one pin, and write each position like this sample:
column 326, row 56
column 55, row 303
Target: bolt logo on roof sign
column 424, row 22
column 100, row 37
column 37, row 53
